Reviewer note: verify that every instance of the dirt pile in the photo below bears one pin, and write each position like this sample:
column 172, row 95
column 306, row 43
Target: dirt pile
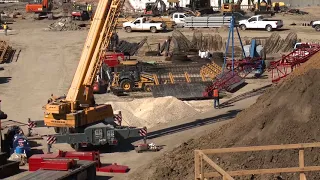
column 151, row 111
column 64, row 24
column 287, row 113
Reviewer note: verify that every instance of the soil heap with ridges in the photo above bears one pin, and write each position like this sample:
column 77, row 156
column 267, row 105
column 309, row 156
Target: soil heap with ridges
column 287, row 113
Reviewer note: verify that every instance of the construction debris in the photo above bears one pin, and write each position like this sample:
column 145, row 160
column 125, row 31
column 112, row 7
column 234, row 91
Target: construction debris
column 275, row 43
column 130, row 48
column 207, row 42
column 286, row 114
column 64, row 24
column 6, row 52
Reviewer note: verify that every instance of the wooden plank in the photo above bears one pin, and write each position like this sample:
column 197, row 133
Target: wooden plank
column 196, row 165
column 201, row 166
column 265, row 171
column 260, row 148
column 301, row 164
column 220, row 171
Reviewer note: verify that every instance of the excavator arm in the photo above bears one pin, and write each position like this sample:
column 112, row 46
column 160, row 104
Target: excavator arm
column 78, row 108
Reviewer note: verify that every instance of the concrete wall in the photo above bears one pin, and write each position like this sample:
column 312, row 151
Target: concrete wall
column 302, row 3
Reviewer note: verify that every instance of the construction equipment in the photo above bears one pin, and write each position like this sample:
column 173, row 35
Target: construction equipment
column 77, row 115
column 230, row 6
column 128, row 76
column 80, row 13
column 263, row 7
column 40, row 8
column 284, row 66
column 234, row 71
column 152, row 8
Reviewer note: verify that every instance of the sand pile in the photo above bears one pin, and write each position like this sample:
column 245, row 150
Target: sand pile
column 64, row 24
column 151, row 111
column 287, row 113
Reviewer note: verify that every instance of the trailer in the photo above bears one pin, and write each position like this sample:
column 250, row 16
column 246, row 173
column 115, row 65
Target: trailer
column 108, row 132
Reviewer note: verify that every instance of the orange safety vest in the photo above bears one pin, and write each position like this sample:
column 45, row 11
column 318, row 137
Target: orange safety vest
column 4, row 26
column 216, row 93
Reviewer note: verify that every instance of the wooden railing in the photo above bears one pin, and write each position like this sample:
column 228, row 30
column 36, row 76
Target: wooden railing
column 201, row 157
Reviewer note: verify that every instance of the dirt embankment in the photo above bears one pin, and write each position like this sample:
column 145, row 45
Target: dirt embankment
column 287, row 113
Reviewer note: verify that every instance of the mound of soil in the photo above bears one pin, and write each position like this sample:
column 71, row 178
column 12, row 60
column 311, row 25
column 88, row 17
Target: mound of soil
column 287, row 113
column 149, row 112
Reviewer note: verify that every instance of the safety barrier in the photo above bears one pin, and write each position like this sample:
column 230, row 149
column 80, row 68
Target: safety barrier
column 201, row 157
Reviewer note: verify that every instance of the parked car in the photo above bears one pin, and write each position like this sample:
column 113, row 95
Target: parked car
column 258, row 22
column 142, row 24
column 316, row 25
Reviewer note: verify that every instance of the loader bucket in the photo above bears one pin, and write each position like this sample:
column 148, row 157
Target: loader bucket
column 183, row 91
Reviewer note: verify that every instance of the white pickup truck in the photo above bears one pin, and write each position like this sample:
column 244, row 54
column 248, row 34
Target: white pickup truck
column 316, row 25
column 142, row 24
column 258, row 22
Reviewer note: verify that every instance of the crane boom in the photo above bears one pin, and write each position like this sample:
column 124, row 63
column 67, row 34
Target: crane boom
column 78, row 108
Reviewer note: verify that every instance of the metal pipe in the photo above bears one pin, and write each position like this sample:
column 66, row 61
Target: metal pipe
column 232, row 31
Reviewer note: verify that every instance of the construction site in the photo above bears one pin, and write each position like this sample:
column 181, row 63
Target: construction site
column 117, row 89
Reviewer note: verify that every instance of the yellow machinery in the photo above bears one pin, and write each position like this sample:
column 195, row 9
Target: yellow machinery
column 231, row 6
column 78, row 109
column 127, row 81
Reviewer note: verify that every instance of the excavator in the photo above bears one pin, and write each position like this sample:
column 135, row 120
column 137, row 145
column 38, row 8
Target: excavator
column 76, row 117
column 40, row 8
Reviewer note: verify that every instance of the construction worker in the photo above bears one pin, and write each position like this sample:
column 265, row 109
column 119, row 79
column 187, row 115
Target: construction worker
column 89, row 9
column 216, row 98
column 5, row 27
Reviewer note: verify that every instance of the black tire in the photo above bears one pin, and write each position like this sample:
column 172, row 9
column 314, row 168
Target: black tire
column 317, row 28
column 147, row 88
column 153, row 29
column 76, row 147
column 243, row 27
column 126, row 85
column 128, row 29
column 269, row 28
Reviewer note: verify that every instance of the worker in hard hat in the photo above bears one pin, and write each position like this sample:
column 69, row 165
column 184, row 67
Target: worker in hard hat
column 5, row 28
column 216, row 98
column 89, row 9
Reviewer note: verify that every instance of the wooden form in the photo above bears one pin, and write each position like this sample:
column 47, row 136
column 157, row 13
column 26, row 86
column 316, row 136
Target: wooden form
column 201, row 157
column 5, row 51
